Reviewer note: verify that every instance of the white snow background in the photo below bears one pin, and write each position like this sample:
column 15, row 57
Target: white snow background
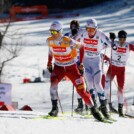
column 111, row 17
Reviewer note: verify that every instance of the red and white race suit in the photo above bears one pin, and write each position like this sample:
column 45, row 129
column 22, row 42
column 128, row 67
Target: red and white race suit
column 119, row 59
column 64, row 53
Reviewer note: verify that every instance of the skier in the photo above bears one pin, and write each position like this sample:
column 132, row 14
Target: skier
column 63, row 50
column 75, row 33
column 75, row 30
column 120, row 53
column 94, row 41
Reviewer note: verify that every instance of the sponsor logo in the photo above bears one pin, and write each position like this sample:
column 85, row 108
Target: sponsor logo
column 90, row 41
column 63, row 58
column 78, row 81
column 121, row 50
column 91, row 49
column 59, row 49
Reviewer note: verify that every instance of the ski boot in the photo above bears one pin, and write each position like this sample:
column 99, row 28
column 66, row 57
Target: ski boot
column 112, row 109
column 96, row 114
column 54, row 111
column 79, row 109
column 120, row 110
column 103, row 109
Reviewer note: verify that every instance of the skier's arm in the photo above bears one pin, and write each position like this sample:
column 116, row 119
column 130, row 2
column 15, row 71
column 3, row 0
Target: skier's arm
column 131, row 47
column 81, row 53
column 107, row 43
column 78, row 45
column 50, row 58
column 75, row 44
column 80, row 66
column 106, row 58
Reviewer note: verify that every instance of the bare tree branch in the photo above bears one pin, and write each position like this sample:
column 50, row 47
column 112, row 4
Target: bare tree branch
column 8, row 51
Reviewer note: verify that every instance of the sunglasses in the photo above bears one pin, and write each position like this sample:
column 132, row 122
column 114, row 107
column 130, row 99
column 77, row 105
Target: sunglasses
column 54, row 32
column 90, row 29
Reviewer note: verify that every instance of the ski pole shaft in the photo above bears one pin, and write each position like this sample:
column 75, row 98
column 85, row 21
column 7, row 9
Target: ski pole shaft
column 72, row 100
column 60, row 103
column 60, row 106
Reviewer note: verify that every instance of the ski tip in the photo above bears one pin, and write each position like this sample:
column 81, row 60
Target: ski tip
column 107, row 121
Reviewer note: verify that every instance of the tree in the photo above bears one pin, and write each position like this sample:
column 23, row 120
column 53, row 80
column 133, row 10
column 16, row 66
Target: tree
column 8, row 50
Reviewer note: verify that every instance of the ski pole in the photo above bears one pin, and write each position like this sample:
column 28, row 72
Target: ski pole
column 72, row 101
column 112, row 37
column 60, row 104
column 133, row 100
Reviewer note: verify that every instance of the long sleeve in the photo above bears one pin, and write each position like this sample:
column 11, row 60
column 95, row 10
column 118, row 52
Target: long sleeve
column 107, row 43
column 131, row 47
column 50, row 58
column 50, row 55
column 81, row 53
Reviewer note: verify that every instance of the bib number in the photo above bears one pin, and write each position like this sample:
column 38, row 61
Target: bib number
column 119, row 58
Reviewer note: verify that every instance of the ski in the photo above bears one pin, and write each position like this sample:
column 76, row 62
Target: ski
column 50, row 117
column 125, row 116
column 59, row 117
column 111, row 119
column 129, row 116
column 19, row 113
column 89, row 116
column 84, row 115
column 107, row 121
column 17, row 117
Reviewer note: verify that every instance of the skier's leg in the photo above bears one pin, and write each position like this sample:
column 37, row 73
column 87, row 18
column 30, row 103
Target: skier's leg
column 109, row 76
column 55, row 77
column 100, row 90
column 121, row 81
column 78, row 82
column 79, row 108
column 103, row 80
column 89, row 81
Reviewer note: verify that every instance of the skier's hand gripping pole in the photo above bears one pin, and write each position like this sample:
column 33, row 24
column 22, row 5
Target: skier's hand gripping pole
column 81, row 68
column 50, row 68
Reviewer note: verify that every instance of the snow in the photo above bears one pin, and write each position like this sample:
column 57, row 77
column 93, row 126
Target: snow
column 112, row 17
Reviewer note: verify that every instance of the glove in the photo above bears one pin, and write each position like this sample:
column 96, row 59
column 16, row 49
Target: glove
column 112, row 36
column 81, row 68
column 50, row 68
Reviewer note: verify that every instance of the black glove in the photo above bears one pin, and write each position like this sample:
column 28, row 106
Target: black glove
column 50, row 68
column 81, row 68
column 112, row 36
